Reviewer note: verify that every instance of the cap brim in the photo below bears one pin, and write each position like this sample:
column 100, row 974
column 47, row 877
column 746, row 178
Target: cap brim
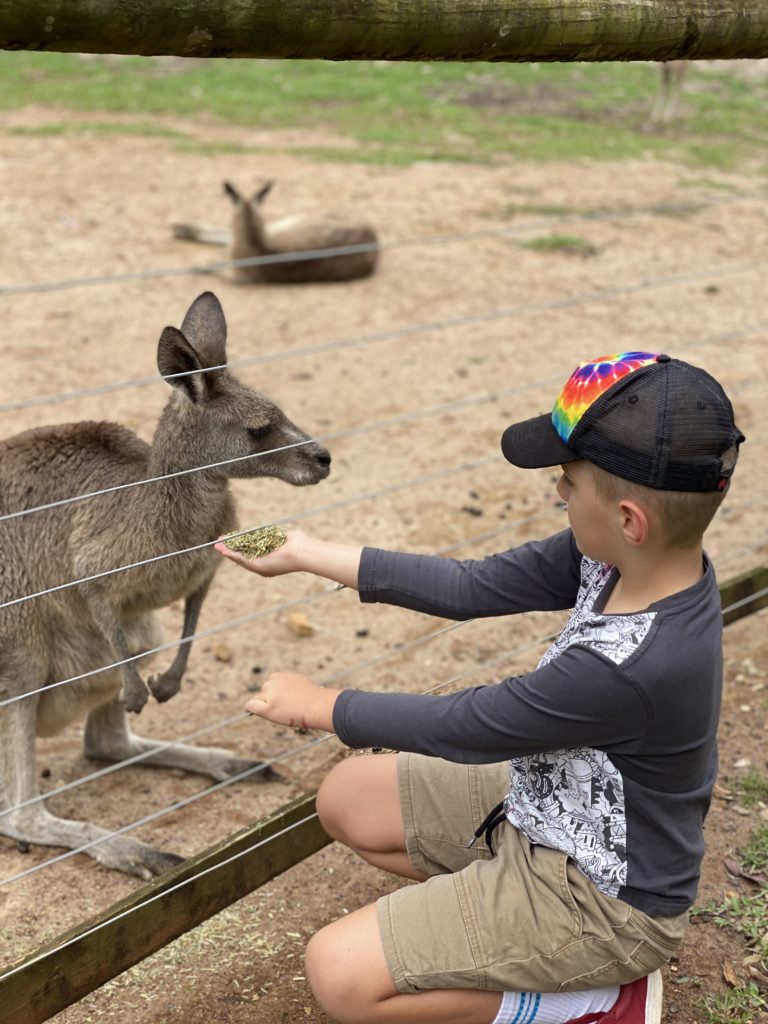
column 534, row 444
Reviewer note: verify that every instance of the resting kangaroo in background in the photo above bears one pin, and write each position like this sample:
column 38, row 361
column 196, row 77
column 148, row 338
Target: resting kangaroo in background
column 252, row 236
column 210, row 417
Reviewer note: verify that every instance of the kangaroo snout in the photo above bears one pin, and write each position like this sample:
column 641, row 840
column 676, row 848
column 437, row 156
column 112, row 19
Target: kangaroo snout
column 321, row 462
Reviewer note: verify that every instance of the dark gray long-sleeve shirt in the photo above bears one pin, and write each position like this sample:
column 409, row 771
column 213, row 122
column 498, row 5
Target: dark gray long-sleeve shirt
column 611, row 741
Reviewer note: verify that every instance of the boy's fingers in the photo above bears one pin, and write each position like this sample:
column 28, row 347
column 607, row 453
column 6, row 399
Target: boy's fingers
column 256, row 706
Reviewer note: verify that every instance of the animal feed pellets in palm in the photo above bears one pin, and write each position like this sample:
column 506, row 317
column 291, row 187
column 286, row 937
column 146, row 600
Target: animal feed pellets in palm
column 257, row 543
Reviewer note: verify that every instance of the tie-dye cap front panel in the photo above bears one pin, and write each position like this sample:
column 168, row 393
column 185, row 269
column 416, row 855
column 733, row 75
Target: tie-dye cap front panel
column 591, row 380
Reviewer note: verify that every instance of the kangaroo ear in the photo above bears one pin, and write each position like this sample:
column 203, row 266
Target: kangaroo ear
column 205, row 329
column 263, row 192
column 232, row 192
column 176, row 355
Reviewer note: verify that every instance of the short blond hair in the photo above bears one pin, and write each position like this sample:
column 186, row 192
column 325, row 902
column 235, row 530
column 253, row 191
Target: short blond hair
column 684, row 515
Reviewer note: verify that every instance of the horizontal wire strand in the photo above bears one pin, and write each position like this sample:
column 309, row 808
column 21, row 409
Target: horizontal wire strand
column 392, row 334
column 308, row 255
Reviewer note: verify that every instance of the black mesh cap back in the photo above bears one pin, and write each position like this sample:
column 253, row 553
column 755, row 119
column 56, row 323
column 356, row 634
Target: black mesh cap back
column 665, row 426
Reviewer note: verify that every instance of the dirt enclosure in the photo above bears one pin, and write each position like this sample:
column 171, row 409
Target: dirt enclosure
column 412, row 414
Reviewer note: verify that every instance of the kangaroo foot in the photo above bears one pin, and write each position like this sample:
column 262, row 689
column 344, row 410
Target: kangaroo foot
column 134, row 858
column 36, row 826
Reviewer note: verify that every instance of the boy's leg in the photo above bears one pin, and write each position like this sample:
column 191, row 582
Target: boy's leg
column 349, row 976
column 358, row 803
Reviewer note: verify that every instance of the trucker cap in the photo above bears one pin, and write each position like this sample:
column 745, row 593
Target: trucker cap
column 642, row 416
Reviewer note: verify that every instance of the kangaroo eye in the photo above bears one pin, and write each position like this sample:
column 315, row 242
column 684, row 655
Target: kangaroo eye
column 257, row 433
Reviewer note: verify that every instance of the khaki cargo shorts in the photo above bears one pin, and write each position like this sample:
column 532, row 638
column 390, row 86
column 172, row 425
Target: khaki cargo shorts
column 526, row 919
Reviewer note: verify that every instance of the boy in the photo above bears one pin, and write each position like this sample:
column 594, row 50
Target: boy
column 582, row 786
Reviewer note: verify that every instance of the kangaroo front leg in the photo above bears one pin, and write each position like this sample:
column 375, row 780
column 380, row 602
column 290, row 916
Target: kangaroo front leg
column 109, row 738
column 134, row 693
column 167, row 684
column 31, row 823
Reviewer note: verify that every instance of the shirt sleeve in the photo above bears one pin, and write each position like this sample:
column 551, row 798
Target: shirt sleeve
column 578, row 699
column 538, row 576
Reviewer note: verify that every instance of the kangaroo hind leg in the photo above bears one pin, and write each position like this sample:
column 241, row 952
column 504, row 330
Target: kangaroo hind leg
column 25, row 818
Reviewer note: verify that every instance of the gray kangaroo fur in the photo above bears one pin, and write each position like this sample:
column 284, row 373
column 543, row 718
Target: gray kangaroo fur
column 210, row 417
column 252, row 236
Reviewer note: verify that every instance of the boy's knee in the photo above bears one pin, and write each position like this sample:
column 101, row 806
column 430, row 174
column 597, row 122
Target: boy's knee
column 332, row 800
column 331, row 979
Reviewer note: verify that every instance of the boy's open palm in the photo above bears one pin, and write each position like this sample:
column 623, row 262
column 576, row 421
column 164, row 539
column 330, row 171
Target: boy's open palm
column 286, row 558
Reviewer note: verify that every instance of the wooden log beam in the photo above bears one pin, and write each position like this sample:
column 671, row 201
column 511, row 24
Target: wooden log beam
column 458, row 30
column 94, row 951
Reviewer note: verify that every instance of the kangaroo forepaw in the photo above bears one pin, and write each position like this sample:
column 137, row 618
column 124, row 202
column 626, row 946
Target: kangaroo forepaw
column 134, row 696
column 164, row 686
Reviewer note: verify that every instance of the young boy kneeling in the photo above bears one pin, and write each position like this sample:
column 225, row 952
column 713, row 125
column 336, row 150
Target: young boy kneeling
column 555, row 819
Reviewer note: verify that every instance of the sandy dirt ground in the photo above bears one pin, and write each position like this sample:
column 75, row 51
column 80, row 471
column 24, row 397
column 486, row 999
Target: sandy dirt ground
column 412, row 375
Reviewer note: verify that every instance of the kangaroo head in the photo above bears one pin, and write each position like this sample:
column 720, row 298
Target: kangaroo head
column 247, row 222
column 213, row 417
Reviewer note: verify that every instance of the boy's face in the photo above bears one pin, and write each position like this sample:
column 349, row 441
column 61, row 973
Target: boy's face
column 591, row 517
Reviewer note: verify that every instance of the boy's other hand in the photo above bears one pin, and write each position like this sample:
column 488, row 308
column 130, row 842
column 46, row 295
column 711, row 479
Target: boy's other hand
column 287, row 558
column 290, row 698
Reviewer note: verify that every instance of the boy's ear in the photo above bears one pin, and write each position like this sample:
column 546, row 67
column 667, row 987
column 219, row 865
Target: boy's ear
column 635, row 523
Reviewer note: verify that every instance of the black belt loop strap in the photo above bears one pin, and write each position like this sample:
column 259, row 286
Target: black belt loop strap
column 491, row 821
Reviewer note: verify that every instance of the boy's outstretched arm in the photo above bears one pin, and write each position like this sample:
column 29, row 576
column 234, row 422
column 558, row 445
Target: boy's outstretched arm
column 302, row 553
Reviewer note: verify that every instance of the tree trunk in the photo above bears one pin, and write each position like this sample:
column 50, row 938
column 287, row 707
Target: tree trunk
column 459, row 30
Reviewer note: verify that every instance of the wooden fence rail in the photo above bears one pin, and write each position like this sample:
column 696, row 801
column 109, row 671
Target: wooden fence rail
column 467, row 30
column 94, row 951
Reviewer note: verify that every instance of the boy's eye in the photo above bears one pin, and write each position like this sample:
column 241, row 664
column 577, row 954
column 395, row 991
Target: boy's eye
column 257, row 433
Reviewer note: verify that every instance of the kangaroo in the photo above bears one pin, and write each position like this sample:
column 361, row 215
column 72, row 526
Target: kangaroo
column 666, row 104
column 210, row 418
column 252, row 236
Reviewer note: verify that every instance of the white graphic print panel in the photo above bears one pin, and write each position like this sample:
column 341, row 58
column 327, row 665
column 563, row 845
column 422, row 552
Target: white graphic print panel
column 573, row 800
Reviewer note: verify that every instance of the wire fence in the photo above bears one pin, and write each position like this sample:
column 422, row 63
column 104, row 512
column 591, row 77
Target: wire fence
column 338, row 344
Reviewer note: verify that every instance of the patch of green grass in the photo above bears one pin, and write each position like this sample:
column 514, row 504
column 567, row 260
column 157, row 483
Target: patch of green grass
column 752, row 787
column 399, row 112
column 97, row 128
column 754, row 856
column 739, row 1006
column 212, row 148
column 725, row 186
column 570, row 244
column 748, row 915
column 547, row 210
column 384, row 155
